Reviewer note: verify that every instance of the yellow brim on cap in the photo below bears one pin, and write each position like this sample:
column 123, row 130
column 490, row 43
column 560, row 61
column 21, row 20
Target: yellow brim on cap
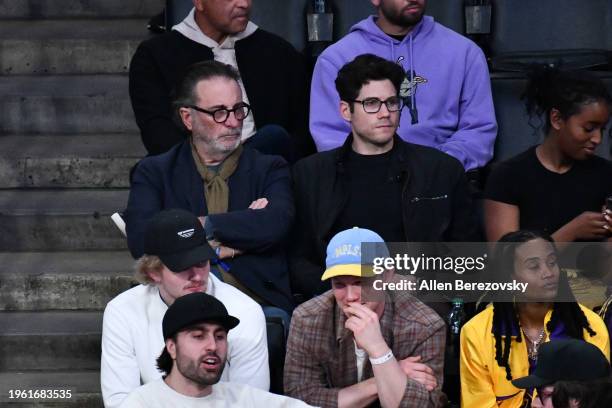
column 363, row 271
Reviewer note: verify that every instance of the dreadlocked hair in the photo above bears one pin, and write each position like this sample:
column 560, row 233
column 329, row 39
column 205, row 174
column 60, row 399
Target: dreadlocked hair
column 505, row 316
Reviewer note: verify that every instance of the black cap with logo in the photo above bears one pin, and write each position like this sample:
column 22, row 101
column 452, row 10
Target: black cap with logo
column 177, row 237
column 566, row 360
column 196, row 308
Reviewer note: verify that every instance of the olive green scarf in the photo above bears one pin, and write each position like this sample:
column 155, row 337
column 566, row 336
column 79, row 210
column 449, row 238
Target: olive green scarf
column 216, row 190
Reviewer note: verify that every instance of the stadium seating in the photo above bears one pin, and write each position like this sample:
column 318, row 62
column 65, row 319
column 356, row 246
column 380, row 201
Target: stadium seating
column 349, row 12
column 550, row 24
column 566, row 33
column 448, row 13
column 176, row 11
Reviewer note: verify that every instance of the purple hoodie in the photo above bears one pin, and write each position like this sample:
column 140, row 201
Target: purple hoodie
column 452, row 108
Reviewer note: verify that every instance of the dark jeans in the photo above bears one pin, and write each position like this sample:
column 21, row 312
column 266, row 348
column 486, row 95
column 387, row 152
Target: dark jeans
column 277, row 327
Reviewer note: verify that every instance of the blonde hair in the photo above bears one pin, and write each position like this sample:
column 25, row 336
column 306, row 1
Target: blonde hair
column 143, row 265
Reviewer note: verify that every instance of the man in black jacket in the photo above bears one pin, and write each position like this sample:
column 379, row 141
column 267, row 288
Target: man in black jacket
column 242, row 197
column 273, row 77
column 403, row 191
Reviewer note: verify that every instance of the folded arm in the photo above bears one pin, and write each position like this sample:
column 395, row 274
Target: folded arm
column 256, row 230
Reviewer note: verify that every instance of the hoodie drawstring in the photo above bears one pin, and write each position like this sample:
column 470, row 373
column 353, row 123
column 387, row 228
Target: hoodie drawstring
column 414, row 114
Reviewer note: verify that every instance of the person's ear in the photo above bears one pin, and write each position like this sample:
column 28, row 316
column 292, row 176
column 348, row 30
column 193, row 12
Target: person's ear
column 375, row 3
column 154, row 274
column 186, row 117
column 171, row 347
column 345, row 111
column 198, row 4
column 556, row 120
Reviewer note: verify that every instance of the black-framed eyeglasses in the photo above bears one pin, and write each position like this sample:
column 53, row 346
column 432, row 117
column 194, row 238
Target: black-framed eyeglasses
column 220, row 115
column 372, row 105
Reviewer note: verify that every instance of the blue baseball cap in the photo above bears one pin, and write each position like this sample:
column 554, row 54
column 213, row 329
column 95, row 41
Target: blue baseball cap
column 345, row 256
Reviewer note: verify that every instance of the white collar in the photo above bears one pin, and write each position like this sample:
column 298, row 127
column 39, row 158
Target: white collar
column 190, row 29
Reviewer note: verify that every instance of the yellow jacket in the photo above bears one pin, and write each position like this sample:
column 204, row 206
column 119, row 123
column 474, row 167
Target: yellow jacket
column 483, row 381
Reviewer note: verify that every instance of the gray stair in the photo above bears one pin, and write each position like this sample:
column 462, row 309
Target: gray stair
column 70, row 340
column 83, row 385
column 67, row 143
column 65, row 105
column 69, row 161
column 60, row 220
column 69, row 46
column 84, row 280
column 39, row 9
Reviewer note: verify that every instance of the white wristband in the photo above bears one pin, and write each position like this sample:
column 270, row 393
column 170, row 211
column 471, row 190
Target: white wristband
column 383, row 359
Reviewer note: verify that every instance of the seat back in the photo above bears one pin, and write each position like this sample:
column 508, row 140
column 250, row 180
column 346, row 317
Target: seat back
column 449, row 13
column 176, row 11
column 286, row 18
column 550, row 24
column 514, row 134
column 347, row 13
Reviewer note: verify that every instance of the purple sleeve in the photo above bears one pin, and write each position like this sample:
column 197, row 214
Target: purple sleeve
column 472, row 144
column 328, row 128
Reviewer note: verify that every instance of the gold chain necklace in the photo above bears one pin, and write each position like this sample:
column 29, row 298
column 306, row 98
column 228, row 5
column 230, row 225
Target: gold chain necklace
column 532, row 349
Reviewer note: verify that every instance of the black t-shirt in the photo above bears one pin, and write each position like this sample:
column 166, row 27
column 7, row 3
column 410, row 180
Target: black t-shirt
column 549, row 200
column 374, row 197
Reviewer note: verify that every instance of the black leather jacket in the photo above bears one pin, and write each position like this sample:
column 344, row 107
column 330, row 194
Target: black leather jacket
column 437, row 206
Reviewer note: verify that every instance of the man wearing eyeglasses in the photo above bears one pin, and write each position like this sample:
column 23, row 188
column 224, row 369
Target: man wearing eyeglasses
column 242, row 197
column 402, row 191
column 446, row 86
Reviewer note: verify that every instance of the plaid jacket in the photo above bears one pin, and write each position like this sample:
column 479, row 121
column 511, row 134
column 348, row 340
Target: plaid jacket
column 321, row 353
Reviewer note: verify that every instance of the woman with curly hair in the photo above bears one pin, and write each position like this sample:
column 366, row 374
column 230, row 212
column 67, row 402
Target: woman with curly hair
column 501, row 342
column 560, row 186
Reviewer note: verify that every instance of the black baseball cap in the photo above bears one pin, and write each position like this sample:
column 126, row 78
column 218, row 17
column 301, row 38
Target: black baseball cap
column 177, row 237
column 196, row 308
column 566, row 360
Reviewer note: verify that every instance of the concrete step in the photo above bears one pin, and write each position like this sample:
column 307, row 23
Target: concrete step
column 65, row 105
column 69, row 161
column 84, row 388
column 69, row 46
column 41, row 280
column 60, row 220
column 50, row 340
column 39, row 9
